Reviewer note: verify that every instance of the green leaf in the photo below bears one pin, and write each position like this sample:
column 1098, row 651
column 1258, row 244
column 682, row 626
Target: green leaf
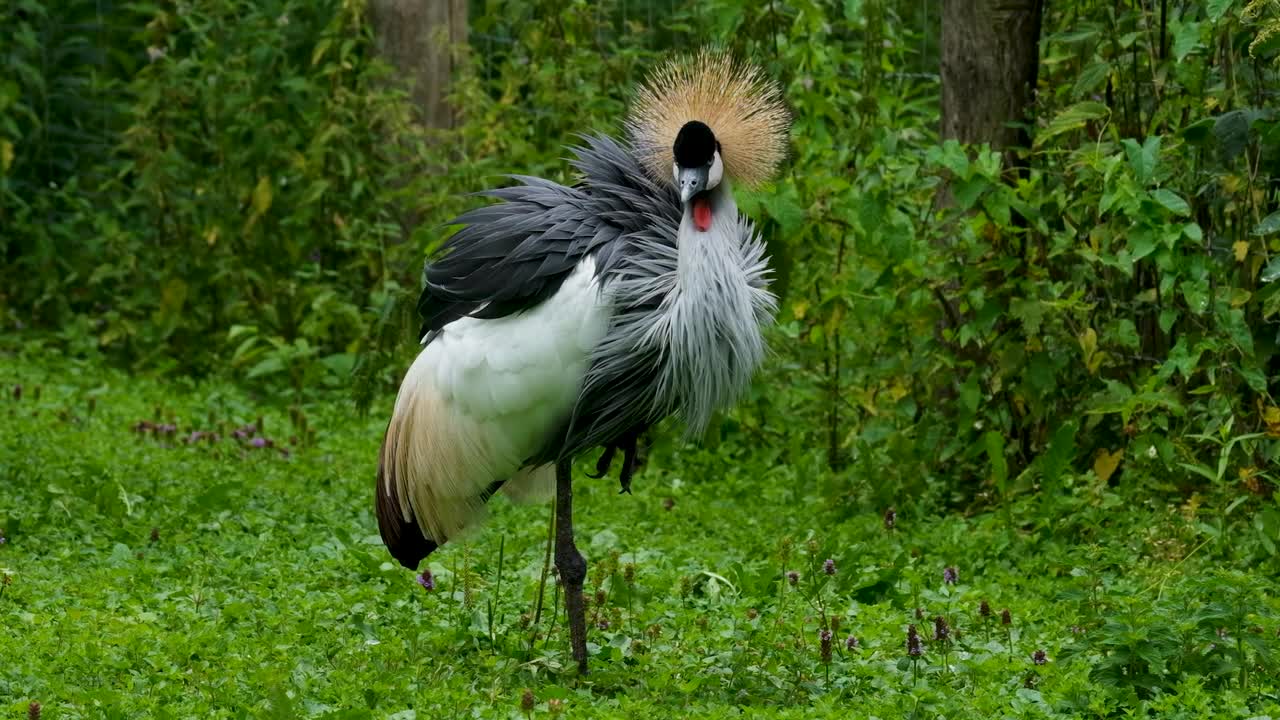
column 1058, row 456
column 970, row 393
column 1185, row 40
column 993, row 443
column 1075, row 35
column 1127, row 334
column 1091, row 78
column 1142, row 244
column 785, row 210
column 1073, row 118
column 214, row 498
column 1232, row 131
column 1215, row 9
column 1272, row 271
column 1171, row 201
column 269, row 366
column 1254, row 378
column 1269, row 224
column 1143, row 158
column 1030, row 312
column 968, row 191
column 1198, row 132
column 1233, row 321
column 262, row 196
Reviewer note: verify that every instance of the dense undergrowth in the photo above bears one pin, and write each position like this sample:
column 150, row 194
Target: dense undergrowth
column 1057, row 363
column 152, row 572
column 235, row 188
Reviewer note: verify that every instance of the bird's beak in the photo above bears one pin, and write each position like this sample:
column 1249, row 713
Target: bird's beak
column 691, row 181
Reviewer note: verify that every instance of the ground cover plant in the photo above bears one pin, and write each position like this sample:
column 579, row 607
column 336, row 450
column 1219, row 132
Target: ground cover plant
column 179, row 549
column 1032, row 375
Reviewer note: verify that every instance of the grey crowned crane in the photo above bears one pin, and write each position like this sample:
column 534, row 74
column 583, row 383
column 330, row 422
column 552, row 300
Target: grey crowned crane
column 564, row 319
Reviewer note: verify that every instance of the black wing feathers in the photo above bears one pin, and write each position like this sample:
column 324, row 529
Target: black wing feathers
column 514, row 254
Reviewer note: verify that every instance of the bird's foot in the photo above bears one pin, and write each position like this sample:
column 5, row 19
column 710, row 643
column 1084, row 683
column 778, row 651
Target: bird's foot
column 604, row 463
column 628, row 445
column 628, row 466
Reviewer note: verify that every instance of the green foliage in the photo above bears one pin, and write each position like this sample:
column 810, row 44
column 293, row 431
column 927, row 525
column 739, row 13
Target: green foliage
column 1072, row 343
column 297, row 229
column 955, row 310
column 151, row 575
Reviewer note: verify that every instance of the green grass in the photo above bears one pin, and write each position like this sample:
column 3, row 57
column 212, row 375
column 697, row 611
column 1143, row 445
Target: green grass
column 265, row 591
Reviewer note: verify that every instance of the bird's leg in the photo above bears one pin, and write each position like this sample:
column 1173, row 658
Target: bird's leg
column 572, row 567
column 628, row 463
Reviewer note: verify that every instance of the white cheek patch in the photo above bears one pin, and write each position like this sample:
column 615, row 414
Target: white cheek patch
column 675, row 173
column 717, row 171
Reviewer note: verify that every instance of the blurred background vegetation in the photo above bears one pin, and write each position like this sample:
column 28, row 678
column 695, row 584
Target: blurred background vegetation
column 1078, row 298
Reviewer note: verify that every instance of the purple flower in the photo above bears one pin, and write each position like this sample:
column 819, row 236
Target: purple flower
column 914, row 647
column 239, row 434
column 1039, row 657
column 3, row 539
column 426, row 580
column 984, row 609
column 941, row 631
column 890, row 519
column 33, row 711
column 1005, row 617
column 603, row 624
column 851, row 643
column 793, row 577
column 259, row 442
column 824, row 642
column 829, row 566
column 195, row 436
column 167, row 428
column 950, row 576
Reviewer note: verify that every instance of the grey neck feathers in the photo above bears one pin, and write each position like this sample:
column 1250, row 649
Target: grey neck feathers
column 710, row 319
column 686, row 311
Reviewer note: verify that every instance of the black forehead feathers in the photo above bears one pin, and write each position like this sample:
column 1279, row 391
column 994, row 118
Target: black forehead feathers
column 695, row 145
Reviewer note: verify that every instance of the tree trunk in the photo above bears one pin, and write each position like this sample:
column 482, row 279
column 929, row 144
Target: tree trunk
column 990, row 60
column 417, row 36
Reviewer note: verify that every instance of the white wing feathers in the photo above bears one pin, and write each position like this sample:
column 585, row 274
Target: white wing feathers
column 484, row 396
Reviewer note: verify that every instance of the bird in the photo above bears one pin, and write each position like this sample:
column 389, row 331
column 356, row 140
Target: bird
column 563, row 319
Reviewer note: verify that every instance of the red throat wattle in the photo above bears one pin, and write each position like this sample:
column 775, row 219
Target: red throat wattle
column 702, row 213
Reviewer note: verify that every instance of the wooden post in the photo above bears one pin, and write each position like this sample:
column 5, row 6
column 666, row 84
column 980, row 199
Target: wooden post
column 990, row 61
column 417, row 37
